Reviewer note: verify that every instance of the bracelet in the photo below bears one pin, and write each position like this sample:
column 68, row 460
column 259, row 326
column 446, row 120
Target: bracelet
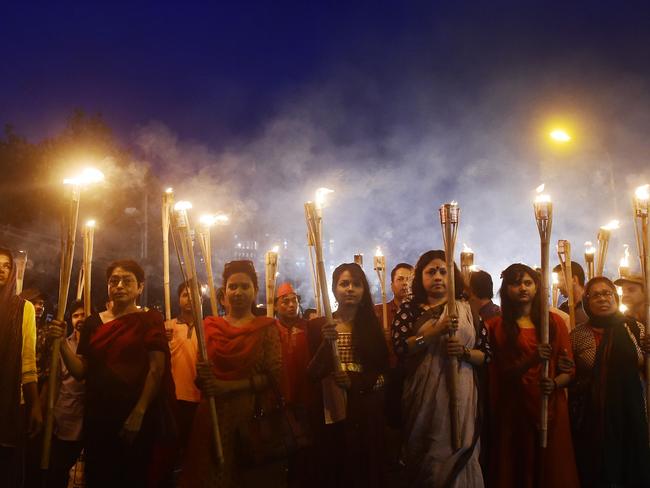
column 419, row 341
column 467, row 354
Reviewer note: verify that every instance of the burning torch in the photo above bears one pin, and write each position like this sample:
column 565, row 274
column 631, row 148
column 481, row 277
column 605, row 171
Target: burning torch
column 544, row 218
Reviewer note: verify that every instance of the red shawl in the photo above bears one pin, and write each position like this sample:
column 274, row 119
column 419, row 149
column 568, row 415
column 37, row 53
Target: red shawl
column 234, row 350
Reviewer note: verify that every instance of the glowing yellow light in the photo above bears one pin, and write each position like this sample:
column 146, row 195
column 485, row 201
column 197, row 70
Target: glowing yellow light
column 622, row 308
column 560, row 135
column 378, row 252
column 642, row 192
column 207, row 220
column 467, row 249
column 169, row 190
column 221, row 219
column 321, row 193
column 589, row 248
column 87, row 177
column 625, row 260
column 556, row 279
column 474, row 268
column 611, row 225
column 542, row 197
column 275, row 249
column 182, row 205
column 90, row 223
column 204, row 290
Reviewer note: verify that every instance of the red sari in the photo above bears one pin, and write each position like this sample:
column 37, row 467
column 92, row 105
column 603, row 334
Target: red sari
column 116, row 354
column 516, row 460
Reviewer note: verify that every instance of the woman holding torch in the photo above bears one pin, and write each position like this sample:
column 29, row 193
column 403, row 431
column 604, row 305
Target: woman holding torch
column 516, row 458
column 245, row 361
column 607, row 398
column 124, row 357
column 420, row 339
column 351, row 449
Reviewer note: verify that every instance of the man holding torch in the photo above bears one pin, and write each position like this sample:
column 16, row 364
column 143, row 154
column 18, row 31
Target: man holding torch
column 400, row 283
column 633, row 297
column 18, row 372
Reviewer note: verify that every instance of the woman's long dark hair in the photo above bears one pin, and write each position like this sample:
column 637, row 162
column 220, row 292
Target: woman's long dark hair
column 419, row 293
column 367, row 334
column 512, row 275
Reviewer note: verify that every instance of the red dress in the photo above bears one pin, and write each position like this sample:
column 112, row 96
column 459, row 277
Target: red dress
column 516, row 460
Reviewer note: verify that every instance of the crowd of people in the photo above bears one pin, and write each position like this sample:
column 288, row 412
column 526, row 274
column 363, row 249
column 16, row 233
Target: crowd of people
column 306, row 401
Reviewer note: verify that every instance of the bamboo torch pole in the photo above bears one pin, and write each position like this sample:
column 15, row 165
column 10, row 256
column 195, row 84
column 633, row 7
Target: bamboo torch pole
column 312, row 264
column 181, row 224
column 88, row 241
column 624, row 264
column 88, row 176
column 271, row 268
column 466, row 263
column 167, row 206
column 80, row 283
column 555, row 291
column 641, row 198
column 544, row 217
column 604, row 235
column 336, row 410
column 590, row 251
column 564, row 254
column 449, row 219
column 21, row 264
column 358, row 259
column 380, row 268
column 205, row 241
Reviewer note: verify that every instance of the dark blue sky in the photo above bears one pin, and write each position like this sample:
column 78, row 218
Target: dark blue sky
column 217, row 70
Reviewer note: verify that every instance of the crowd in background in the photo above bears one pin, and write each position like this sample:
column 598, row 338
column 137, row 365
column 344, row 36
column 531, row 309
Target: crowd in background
column 304, row 401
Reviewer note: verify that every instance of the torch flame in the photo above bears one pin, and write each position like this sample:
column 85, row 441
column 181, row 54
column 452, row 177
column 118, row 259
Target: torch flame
column 556, row 279
column 321, row 193
column 642, row 192
column 90, row 223
column 613, row 224
column 589, row 248
column 625, row 260
column 542, row 197
column 182, row 205
column 275, row 249
column 207, row 220
column 467, row 249
column 204, row 290
column 473, row 268
column 87, row 177
column 378, row 253
column 169, row 190
column 221, row 219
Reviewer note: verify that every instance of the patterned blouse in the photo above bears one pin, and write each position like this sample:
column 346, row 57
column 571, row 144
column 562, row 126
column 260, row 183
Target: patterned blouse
column 404, row 326
column 349, row 359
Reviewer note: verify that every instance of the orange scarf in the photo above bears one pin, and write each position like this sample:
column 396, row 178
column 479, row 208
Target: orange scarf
column 234, row 350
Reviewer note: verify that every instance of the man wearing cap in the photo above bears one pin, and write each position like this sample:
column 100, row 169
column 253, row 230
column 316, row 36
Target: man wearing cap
column 295, row 386
column 633, row 297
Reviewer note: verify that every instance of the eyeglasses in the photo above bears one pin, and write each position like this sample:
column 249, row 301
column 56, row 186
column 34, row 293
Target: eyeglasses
column 599, row 294
column 125, row 280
